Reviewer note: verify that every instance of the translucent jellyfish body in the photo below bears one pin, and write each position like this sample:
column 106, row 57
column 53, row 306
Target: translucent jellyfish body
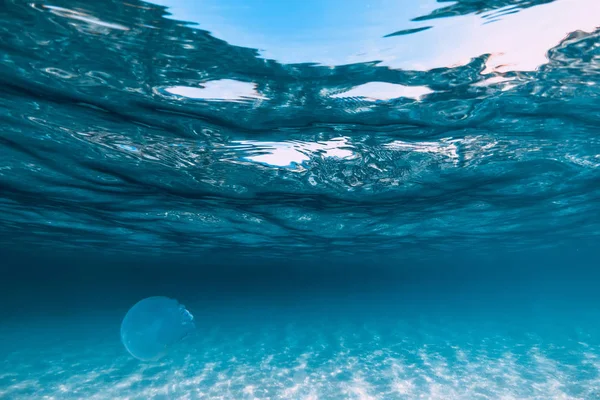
column 152, row 325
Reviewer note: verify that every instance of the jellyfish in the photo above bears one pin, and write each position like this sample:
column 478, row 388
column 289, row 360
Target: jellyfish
column 153, row 325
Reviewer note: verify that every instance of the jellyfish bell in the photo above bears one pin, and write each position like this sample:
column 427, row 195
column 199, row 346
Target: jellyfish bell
column 153, row 325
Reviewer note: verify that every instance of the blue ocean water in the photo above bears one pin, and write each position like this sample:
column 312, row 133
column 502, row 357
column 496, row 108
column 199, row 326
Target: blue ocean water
column 354, row 199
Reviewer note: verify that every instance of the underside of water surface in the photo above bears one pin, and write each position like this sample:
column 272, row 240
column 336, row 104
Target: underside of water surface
column 351, row 199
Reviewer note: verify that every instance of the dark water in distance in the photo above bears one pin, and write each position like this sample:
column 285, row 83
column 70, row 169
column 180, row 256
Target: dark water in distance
column 366, row 200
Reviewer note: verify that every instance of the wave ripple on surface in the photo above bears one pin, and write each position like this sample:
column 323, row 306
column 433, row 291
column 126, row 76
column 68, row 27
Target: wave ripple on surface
column 123, row 129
